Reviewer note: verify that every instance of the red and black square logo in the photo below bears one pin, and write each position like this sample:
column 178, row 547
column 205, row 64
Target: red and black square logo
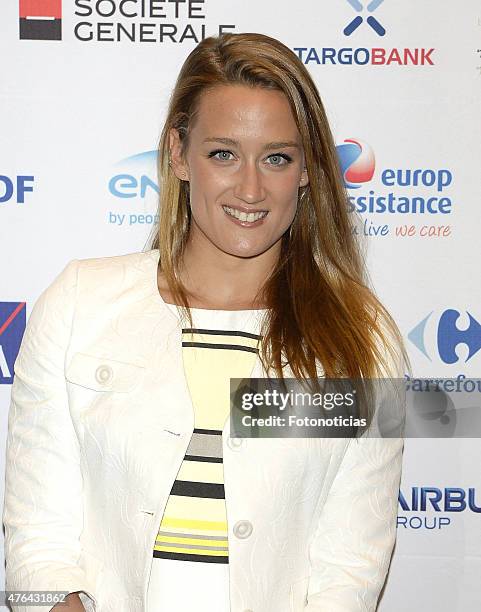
column 40, row 19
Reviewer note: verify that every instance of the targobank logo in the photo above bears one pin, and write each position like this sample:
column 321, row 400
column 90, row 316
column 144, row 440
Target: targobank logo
column 362, row 55
column 447, row 336
column 357, row 162
column 432, row 507
column 371, row 20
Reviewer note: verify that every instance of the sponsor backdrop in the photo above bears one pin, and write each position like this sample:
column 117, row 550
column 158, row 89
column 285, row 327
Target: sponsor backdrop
column 84, row 86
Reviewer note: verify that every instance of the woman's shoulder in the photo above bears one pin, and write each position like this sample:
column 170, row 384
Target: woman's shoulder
column 111, row 263
column 111, row 278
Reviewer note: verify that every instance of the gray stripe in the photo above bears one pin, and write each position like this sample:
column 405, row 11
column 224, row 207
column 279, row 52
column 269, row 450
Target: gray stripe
column 191, row 546
column 192, row 535
column 205, row 445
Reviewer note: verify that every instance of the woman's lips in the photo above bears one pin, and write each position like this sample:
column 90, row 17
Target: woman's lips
column 244, row 220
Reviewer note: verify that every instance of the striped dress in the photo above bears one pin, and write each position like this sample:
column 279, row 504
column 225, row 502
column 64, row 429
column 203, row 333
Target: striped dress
column 190, row 571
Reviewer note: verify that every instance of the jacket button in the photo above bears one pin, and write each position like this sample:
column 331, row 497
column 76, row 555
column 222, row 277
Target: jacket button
column 103, row 374
column 242, row 529
column 235, row 443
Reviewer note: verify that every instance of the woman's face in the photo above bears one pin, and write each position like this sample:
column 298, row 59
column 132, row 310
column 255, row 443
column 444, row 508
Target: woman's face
column 245, row 164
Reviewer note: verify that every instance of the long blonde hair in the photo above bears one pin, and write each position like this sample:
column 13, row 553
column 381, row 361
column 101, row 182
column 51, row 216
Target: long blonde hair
column 320, row 308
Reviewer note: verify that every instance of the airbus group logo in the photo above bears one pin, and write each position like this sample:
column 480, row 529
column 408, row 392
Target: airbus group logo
column 433, row 507
column 371, row 20
column 446, row 336
column 357, row 162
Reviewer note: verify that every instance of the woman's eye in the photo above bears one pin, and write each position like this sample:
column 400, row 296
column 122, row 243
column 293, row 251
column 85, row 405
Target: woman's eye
column 222, row 155
column 280, row 159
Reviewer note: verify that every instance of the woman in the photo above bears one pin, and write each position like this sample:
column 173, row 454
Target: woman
column 123, row 486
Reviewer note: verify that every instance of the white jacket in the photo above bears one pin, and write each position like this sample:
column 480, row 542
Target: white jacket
column 99, row 422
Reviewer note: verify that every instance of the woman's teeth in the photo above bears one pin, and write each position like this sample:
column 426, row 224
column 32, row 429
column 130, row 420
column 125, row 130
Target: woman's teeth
column 242, row 216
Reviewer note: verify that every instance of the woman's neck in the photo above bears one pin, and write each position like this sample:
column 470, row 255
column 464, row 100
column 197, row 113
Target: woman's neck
column 220, row 281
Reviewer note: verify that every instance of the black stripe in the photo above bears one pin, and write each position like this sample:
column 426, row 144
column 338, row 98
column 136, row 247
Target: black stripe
column 208, row 431
column 230, row 347
column 186, row 557
column 201, row 458
column 190, row 488
column 40, row 29
column 220, row 332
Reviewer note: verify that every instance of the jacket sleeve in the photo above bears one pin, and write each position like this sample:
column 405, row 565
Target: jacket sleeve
column 351, row 549
column 43, row 512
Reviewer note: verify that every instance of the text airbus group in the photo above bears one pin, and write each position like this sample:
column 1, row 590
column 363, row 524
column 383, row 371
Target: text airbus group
column 361, row 56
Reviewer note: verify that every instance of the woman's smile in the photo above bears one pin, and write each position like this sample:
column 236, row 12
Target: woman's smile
column 244, row 218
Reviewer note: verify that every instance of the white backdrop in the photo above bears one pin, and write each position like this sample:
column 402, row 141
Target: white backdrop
column 82, row 101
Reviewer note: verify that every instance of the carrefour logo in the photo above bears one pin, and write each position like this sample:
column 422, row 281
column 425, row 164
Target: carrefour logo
column 447, row 336
column 371, row 20
column 357, row 164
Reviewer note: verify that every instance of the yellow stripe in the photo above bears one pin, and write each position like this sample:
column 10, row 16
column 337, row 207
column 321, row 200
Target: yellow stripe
column 190, row 551
column 194, row 524
column 197, row 541
column 201, row 471
column 212, row 401
column 203, row 508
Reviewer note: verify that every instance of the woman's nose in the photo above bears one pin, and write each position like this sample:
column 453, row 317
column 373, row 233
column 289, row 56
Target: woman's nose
column 249, row 187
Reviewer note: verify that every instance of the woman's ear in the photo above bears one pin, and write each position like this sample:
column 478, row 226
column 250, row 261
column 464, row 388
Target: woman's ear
column 177, row 162
column 304, row 180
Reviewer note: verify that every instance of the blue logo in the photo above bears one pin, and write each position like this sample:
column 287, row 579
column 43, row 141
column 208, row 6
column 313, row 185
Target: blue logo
column 434, row 508
column 371, row 20
column 12, row 328
column 448, row 336
column 15, row 189
column 136, row 179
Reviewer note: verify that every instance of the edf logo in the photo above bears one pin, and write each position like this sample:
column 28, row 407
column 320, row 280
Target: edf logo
column 371, row 21
column 448, row 336
column 14, row 188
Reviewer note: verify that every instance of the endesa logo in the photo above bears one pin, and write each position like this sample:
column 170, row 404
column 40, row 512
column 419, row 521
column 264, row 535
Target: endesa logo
column 447, row 336
column 360, row 55
column 134, row 182
column 432, row 508
column 357, row 163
